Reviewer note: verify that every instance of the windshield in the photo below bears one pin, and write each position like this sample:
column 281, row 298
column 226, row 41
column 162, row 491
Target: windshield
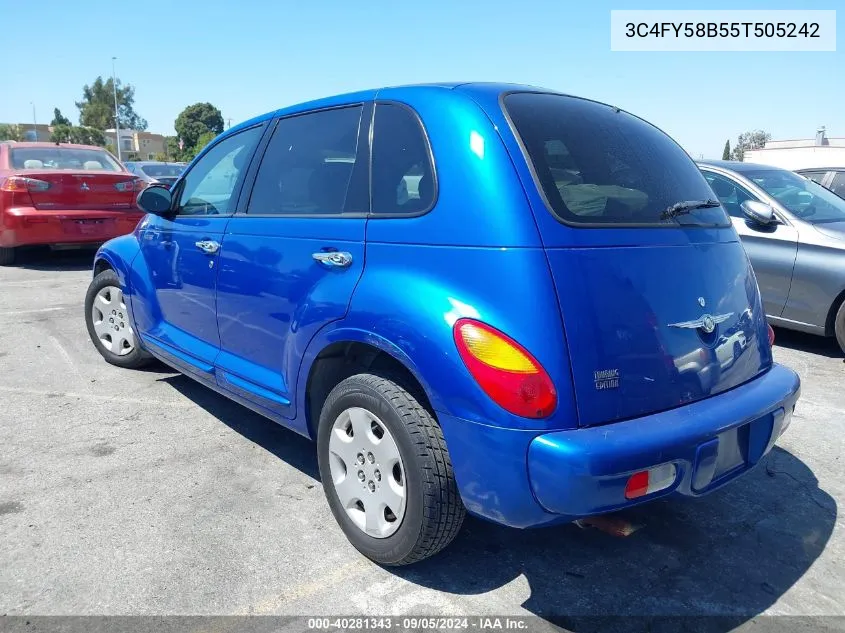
column 62, row 158
column 804, row 198
column 597, row 165
column 163, row 170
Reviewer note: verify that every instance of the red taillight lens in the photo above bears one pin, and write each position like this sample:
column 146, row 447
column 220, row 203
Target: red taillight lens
column 771, row 334
column 134, row 185
column 505, row 370
column 21, row 183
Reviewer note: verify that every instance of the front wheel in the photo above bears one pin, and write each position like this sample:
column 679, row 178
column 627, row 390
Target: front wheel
column 386, row 472
column 107, row 320
column 839, row 327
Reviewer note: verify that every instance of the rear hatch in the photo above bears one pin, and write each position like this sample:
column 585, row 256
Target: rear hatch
column 73, row 178
column 659, row 309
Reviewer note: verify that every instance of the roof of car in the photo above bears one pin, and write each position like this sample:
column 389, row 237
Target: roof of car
column 25, row 144
column 153, row 162
column 736, row 165
column 369, row 95
column 803, row 169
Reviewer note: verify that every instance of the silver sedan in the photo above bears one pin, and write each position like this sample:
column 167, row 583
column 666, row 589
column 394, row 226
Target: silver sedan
column 793, row 230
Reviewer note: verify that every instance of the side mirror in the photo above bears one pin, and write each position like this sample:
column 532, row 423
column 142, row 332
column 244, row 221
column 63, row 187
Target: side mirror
column 759, row 212
column 155, row 199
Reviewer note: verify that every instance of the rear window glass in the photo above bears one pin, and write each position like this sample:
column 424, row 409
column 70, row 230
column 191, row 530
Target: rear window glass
column 597, row 165
column 62, row 158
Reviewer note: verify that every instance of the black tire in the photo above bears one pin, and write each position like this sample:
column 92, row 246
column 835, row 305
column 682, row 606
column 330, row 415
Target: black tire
column 135, row 359
column 839, row 327
column 434, row 511
column 7, row 256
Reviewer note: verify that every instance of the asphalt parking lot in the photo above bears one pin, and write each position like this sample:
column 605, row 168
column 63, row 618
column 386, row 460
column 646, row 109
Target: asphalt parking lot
column 141, row 492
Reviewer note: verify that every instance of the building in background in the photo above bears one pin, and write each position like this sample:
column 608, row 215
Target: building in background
column 820, row 151
column 133, row 145
column 138, row 145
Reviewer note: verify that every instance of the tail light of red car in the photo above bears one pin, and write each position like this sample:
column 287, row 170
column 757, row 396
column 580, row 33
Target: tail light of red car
column 16, row 184
column 505, row 370
column 135, row 185
column 20, row 187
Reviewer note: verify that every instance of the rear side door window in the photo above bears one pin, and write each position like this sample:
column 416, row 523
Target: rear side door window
column 212, row 184
column 403, row 177
column 312, row 167
column 816, row 176
column 838, row 184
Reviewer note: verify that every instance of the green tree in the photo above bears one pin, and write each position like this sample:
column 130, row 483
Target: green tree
column 748, row 141
column 78, row 134
column 11, row 132
column 59, row 118
column 172, row 151
column 97, row 106
column 726, row 153
column 195, row 121
column 204, row 139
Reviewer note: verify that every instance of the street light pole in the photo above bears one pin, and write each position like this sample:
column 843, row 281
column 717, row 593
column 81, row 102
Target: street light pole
column 34, row 122
column 116, row 117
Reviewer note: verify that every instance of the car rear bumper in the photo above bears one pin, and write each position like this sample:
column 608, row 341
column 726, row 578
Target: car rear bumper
column 525, row 478
column 22, row 226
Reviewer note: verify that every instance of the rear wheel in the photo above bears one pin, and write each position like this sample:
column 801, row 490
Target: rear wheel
column 839, row 327
column 386, row 472
column 7, row 256
column 107, row 320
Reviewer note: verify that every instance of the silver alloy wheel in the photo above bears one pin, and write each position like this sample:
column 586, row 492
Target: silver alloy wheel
column 367, row 472
column 111, row 321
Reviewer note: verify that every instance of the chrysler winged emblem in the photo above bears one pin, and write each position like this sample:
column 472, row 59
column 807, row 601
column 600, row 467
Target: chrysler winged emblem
column 84, row 186
column 707, row 323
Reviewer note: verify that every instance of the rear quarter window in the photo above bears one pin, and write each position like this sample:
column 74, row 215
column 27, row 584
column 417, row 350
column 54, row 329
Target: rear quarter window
column 597, row 165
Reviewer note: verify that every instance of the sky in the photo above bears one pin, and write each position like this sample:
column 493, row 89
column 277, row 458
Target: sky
column 249, row 57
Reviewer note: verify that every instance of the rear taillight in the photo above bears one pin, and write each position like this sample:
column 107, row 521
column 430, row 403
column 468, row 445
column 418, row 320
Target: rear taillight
column 771, row 334
column 505, row 370
column 18, row 184
column 135, row 185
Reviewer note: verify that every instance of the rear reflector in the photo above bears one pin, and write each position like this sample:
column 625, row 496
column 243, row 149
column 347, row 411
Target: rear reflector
column 771, row 334
column 505, row 370
column 652, row 480
column 22, row 183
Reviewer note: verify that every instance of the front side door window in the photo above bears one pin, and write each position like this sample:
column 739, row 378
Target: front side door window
column 210, row 187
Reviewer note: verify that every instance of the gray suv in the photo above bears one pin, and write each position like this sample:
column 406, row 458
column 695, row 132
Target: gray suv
column 793, row 230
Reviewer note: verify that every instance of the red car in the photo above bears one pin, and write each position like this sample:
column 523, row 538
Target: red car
column 63, row 195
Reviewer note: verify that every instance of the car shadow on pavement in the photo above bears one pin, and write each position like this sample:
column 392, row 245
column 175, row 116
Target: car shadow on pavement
column 720, row 559
column 49, row 260
column 706, row 564
column 802, row 342
column 288, row 446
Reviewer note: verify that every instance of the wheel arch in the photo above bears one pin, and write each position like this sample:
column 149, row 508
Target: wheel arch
column 335, row 355
column 830, row 322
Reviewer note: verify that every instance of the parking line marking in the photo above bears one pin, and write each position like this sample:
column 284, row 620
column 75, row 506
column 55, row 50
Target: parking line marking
column 303, row 591
column 69, row 360
column 53, row 309
column 91, row 396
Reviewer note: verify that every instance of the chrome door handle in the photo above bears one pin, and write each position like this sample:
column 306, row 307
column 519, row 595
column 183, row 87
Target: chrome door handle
column 208, row 247
column 337, row 259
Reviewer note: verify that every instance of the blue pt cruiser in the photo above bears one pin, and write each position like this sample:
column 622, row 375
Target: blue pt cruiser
column 475, row 298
